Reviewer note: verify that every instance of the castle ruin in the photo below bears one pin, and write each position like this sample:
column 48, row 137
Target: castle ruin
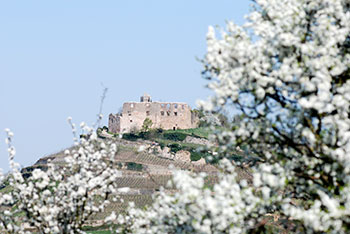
column 165, row 115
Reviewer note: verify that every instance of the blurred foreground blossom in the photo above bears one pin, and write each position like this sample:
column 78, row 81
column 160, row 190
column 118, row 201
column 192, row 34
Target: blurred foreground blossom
column 60, row 198
column 286, row 73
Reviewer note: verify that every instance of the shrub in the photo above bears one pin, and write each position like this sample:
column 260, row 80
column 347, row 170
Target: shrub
column 149, row 135
column 174, row 147
column 175, row 136
column 134, row 166
column 130, row 136
column 195, row 156
column 161, row 145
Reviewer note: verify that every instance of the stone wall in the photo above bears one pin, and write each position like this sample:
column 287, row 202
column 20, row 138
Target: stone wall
column 165, row 115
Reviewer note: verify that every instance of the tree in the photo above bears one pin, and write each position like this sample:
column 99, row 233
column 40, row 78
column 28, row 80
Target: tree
column 147, row 124
column 286, row 72
column 60, row 197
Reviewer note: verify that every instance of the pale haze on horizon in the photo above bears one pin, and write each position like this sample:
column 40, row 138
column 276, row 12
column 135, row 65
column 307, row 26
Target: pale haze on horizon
column 56, row 57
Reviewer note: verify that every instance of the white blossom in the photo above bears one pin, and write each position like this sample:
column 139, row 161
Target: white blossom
column 286, row 72
column 53, row 199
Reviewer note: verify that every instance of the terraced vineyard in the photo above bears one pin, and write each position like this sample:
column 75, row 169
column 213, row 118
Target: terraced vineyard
column 151, row 159
column 154, row 182
column 139, row 200
column 146, row 188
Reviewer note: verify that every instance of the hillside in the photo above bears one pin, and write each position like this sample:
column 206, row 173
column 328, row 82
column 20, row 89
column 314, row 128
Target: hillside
column 144, row 161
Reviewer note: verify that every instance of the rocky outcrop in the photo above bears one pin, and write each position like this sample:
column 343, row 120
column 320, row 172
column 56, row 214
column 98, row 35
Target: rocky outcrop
column 183, row 155
column 198, row 141
column 166, row 153
column 200, row 162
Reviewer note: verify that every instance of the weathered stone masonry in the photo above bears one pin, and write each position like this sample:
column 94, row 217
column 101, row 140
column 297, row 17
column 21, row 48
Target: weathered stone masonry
column 165, row 115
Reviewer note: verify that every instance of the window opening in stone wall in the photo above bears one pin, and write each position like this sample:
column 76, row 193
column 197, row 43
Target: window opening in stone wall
column 132, row 105
column 174, row 128
column 175, row 113
column 162, row 112
column 147, row 113
column 175, row 106
column 162, row 105
column 168, row 106
column 130, row 120
column 168, row 113
column 129, row 113
column 183, row 106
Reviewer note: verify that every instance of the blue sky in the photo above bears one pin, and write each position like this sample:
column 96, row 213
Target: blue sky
column 54, row 56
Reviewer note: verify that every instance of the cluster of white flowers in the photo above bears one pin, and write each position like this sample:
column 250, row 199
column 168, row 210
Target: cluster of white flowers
column 60, row 197
column 230, row 206
column 287, row 73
